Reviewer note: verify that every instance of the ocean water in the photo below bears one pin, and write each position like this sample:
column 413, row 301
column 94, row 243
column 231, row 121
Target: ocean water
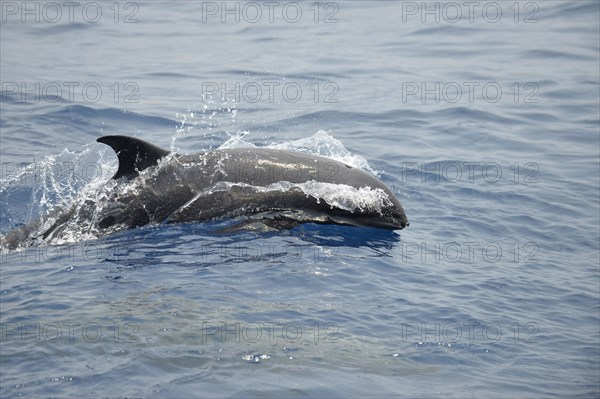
column 483, row 118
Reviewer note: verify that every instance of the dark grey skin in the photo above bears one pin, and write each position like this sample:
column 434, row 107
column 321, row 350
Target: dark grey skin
column 194, row 188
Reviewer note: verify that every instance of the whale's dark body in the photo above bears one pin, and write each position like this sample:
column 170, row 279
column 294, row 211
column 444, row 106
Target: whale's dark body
column 267, row 186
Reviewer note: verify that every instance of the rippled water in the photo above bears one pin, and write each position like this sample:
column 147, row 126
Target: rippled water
column 485, row 127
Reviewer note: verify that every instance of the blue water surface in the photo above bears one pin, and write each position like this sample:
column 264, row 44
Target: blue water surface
column 484, row 121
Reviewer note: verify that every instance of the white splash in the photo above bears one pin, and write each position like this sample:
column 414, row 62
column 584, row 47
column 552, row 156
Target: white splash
column 321, row 143
column 336, row 195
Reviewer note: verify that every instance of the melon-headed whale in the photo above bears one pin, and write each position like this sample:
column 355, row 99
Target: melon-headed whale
column 268, row 187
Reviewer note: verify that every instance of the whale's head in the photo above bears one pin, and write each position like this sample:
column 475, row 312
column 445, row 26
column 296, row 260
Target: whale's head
column 395, row 213
column 391, row 217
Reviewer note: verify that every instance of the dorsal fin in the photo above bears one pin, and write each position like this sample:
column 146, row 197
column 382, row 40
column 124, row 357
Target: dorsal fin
column 134, row 154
